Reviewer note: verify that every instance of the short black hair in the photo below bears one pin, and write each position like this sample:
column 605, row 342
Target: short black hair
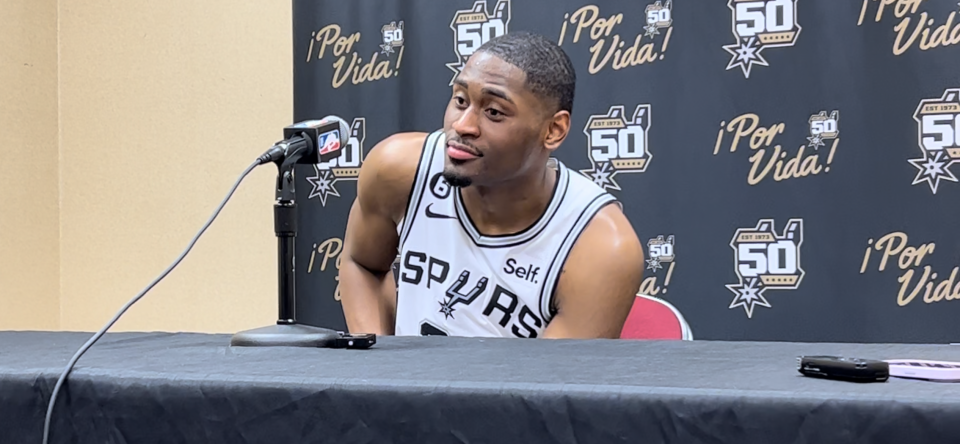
column 550, row 74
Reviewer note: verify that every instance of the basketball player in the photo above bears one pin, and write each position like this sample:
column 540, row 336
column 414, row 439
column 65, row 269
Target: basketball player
column 495, row 238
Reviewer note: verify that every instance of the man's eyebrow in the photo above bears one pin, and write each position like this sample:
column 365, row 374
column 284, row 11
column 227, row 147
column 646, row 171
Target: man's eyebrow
column 497, row 93
column 486, row 90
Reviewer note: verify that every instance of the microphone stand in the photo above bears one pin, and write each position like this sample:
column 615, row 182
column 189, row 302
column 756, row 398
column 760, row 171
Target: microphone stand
column 287, row 332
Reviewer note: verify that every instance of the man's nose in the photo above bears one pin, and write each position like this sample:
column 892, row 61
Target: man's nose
column 467, row 124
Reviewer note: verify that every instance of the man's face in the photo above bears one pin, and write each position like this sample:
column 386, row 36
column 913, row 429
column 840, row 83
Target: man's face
column 493, row 124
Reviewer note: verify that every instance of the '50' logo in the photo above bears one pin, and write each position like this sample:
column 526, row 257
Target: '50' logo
column 765, row 260
column 474, row 27
column 617, row 145
column 938, row 121
column 758, row 25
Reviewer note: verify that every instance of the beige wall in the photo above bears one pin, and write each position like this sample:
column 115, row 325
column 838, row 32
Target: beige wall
column 162, row 105
column 29, row 228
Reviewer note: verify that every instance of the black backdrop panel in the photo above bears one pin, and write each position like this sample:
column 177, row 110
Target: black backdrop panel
column 791, row 164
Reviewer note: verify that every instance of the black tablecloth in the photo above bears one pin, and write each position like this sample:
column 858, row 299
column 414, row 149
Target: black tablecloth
column 179, row 388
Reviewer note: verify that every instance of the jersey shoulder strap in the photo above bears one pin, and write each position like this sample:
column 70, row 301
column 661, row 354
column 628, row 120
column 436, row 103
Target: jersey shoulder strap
column 586, row 200
column 420, row 182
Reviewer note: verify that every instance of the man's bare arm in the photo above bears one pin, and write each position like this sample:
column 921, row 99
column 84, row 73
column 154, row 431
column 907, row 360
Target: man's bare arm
column 600, row 279
column 367, row 289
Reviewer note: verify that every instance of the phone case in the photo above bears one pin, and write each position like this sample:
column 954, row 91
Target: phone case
column 843, row 368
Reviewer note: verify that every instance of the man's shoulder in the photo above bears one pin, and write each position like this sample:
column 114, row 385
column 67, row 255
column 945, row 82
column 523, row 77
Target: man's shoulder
column 389, row 171
column 608, row 246
column 397, row 151
column 609, row 233
column 600, row 278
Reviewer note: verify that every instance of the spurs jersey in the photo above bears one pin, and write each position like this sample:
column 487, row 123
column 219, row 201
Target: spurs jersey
column 454, row 280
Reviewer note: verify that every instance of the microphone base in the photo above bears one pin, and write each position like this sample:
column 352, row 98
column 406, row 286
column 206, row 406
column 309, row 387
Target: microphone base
column 286, row 335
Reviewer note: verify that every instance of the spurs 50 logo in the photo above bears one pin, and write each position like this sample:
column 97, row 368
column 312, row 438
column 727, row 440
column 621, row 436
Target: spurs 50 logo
column 617, row 145
column 823, row 127
column 392, row 36
column 658, row 17
column 344, row 167
column 758, row 25
column 765, row 261
column 474, row 27
column 938, row 122
column 661, row 255
column 660, row 252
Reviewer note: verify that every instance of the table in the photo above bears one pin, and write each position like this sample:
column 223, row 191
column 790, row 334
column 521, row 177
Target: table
column 187, row 387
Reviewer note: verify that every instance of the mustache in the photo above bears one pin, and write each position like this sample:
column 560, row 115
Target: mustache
column 454, row 137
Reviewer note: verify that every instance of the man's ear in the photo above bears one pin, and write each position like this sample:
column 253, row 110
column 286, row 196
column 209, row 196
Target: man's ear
column 557, row 129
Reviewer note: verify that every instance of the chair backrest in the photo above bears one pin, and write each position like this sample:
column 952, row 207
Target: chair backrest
column 654, row 318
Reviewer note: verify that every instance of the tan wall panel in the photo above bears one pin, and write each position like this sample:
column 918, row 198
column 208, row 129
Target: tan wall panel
column 29, row 215
column 163, row 104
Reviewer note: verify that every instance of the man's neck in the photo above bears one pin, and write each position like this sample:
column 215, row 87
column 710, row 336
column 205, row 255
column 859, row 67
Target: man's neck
column 512, row 206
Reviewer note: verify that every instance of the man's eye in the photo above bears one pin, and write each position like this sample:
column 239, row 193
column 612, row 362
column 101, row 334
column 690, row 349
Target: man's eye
column 495, row 113
column 459, row 100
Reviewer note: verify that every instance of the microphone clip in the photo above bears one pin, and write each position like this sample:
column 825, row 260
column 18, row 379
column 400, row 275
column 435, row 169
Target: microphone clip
column 294, row 150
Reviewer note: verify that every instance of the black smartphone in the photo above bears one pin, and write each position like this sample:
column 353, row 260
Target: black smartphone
column 363, row 340
column 842, row 368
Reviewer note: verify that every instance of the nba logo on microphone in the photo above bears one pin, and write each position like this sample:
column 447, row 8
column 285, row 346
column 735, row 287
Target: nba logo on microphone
column 345, row 167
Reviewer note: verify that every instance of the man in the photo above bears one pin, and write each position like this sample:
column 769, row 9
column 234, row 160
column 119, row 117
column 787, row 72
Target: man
column 495, row 237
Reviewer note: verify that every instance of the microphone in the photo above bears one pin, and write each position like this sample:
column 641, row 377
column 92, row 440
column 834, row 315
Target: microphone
column 313, row 141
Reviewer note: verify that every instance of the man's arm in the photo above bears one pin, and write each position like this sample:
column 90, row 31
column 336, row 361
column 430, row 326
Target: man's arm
column 600, row 279
column 367, row 289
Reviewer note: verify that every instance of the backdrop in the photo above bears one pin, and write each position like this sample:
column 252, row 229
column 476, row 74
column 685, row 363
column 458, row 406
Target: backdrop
column 789, row 164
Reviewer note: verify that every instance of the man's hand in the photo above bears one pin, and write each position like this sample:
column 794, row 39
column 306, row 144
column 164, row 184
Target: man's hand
column 367, row 289
column 600, row 279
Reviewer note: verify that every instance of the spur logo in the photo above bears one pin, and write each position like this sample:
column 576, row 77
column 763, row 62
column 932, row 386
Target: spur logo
column 759, row 25
column 616, row 145
column 475, row 26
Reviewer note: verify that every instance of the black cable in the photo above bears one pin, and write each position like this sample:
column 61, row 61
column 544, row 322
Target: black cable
column 85, row 347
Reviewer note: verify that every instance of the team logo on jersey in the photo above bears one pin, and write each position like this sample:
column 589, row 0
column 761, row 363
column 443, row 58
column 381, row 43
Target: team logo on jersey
column 455, row 296
column 391, row 35
column 474, row 27
column 765, row 261
column 617, row 145
column 938, row 124
column 345, row 167
column 503, row 307
column 759, row 25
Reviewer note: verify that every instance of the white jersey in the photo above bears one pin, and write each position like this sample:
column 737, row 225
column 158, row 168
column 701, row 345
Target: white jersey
column 455, row 281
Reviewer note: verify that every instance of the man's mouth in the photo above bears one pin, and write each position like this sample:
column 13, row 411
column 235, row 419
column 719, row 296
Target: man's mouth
column 461, row 152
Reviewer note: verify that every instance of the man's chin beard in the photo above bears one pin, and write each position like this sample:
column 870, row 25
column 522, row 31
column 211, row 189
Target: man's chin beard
column 456, row 180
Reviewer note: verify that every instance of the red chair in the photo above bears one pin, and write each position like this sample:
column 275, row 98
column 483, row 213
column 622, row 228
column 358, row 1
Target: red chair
column 654, row 318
